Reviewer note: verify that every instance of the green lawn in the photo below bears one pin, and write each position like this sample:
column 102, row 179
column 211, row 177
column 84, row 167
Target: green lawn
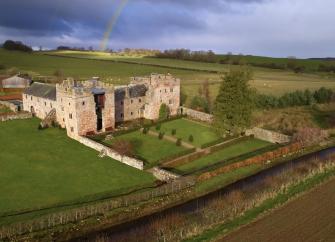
column 227, row 153
column 44, row 168
column 115, row 72
column 202, row 133
column 150, row 147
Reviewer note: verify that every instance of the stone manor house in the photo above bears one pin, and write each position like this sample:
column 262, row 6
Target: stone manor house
column 93, row 106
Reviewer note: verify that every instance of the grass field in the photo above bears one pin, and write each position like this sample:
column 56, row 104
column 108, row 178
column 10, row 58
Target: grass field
column 202, row 134
column 266, row 80
column 118, row 70
column 44, row 168
column 84, row 68
column 150, row 147
column 225, row 154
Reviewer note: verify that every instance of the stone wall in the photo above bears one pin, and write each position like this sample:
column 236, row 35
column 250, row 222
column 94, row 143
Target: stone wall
column 205, row 117
column 111, row 153
column 41, row 107
column 163, row 175
column 270, row 136
column 15, row 116
column 9, row 105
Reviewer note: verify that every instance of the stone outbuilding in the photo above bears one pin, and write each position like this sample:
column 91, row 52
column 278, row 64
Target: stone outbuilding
column 16, row 82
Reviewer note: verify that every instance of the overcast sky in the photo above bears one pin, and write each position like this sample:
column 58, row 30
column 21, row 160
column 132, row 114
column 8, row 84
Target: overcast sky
column 303, row 28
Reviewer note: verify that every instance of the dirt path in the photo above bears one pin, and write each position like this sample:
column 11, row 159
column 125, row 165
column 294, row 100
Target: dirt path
column 310, row 218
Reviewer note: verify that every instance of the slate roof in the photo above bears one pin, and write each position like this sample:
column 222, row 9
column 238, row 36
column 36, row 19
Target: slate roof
column 134, row 92
column 41, row 90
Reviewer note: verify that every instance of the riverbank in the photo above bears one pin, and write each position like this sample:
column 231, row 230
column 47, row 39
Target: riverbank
column 194, row 217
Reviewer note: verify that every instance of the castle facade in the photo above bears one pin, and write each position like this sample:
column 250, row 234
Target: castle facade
column 93, row 106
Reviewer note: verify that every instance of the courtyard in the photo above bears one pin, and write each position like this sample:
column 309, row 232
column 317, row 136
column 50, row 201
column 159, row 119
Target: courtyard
column 202, row 133
column 149, row 148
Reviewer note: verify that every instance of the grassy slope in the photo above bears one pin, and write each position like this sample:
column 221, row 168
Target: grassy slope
column 84, row 68
column 149, row 147
column 224, row 154
column 202, row 134
column 266, row 80
column 41, row 168
column 310, row 65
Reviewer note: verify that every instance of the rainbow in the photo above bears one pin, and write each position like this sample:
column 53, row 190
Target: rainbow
column 111, row 24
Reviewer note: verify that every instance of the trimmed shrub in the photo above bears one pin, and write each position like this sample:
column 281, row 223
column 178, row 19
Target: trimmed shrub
column 145, row 130
column 173, row 132
column 190, row 138
column 158, row 126
column 161, row 135
column 178, row 143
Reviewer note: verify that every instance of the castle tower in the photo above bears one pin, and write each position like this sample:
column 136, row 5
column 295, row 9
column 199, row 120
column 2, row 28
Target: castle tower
column 85, row 107
column 162, row 89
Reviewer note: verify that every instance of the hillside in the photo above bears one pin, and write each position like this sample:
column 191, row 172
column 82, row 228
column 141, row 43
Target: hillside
column 118, row 70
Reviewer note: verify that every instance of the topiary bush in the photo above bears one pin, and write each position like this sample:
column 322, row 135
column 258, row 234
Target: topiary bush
column 145, row 130
column 173, row 132
column 190, row 138
column 178, row 143
column 158, row 126
column 161, row 135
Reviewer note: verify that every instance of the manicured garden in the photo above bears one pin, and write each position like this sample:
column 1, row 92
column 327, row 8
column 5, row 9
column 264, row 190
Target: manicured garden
column 225, row 154
column 44, row 168
column 201, row 133
column 148, row 147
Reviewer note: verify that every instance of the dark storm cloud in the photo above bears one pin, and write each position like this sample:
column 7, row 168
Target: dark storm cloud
column 264, row 27
column 61, row 16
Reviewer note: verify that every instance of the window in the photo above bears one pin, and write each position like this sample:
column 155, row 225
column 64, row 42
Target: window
column 45, row 103
column 31, row 98
column 70, row 115
column 63, row 120
column 121, row 102
column 83, row 103
column 26, row 96
column 171, row 89
column 170, row 101
column 72, row 129
column 160, row 91
column 69, row 104
column 121, row 115
column 165, row 90
column 131, row 101
column 51, row 105
column 62, row 108
column 140, row 100
column 131, row 113
column 161, row 100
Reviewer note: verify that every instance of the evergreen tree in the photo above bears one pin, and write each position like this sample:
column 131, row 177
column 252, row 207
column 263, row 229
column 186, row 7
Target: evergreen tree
column 234, row 104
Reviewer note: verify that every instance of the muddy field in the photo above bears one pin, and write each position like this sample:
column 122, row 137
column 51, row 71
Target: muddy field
column 308, row 218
